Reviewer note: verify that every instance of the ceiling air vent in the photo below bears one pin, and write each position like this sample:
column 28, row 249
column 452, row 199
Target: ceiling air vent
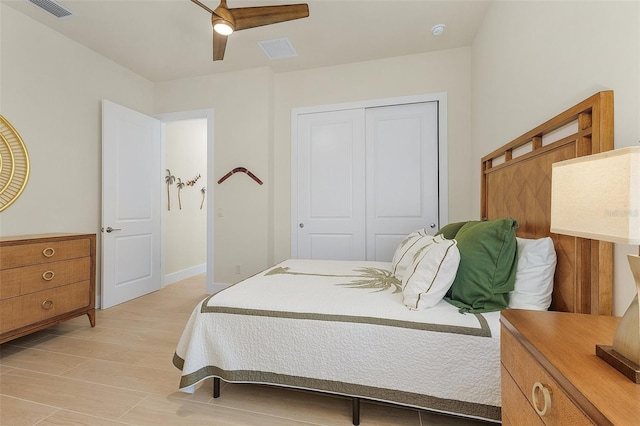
column 52, row 7
column 278, row 48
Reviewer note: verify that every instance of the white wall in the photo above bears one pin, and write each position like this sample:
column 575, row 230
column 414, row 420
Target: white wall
column 241, row 101
column 533, row 60
column 444, row 71
column 51, row 90
column 530, row 60
column 184, row 229
column 252, row 129
column 1, row 37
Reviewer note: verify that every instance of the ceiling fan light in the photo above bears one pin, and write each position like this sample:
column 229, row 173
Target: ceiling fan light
column 222, row 27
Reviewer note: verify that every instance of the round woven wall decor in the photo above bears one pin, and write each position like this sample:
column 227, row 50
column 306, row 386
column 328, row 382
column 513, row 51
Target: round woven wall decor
column 14, row 164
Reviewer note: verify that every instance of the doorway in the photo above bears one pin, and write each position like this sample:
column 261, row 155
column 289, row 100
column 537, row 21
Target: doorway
column 196, row 196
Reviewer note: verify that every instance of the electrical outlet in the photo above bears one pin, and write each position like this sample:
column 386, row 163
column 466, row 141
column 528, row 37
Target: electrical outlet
column 237, row 269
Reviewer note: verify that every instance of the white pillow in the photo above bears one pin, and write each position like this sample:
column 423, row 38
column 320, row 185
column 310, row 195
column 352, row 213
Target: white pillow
column 403, row 257
column 431, row 273
column 534, row 276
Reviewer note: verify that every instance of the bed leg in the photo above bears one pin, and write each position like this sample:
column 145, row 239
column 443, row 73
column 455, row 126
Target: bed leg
column 355, row 407
column 216, row 387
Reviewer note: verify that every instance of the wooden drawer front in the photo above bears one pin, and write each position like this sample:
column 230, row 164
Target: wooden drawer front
column 525, row 371
column 516, row 409
column 25, row 310
column 31, row 254
column 29, row 279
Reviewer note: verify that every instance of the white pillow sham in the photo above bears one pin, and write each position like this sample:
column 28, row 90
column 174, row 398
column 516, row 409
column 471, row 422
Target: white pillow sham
column 431, row 274
column 403, row 256
column 534, row 276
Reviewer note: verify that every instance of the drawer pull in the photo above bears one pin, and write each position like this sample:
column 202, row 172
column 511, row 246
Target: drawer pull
column 49, row 252
column 537, row 388
column 47, row 304
column 48, row 275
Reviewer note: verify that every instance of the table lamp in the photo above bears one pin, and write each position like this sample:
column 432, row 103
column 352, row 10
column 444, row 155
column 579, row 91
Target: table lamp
column 598, row 197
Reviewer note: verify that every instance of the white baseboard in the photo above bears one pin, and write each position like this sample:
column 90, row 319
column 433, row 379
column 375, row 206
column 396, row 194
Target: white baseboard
column 184, row 274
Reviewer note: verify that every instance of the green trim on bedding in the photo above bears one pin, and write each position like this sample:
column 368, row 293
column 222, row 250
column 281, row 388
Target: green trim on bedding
column 346, row 389
column 178, row 362
column 483, row 329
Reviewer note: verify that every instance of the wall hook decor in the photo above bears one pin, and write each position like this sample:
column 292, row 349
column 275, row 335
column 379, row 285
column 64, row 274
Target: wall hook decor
column 243, row 170
column 193, row 181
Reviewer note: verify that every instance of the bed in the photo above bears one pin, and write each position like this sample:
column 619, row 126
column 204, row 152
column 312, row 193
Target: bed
column 346, row 327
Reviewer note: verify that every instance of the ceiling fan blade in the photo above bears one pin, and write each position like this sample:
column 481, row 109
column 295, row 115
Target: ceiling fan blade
column 219, row 45
column 250, row 17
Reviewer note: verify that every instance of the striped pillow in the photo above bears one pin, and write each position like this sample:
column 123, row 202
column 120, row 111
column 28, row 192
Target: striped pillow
column 431, row 273
column 403, row 257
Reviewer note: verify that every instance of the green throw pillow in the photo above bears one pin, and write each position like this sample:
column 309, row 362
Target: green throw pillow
column 488, row 264
column 449, row 231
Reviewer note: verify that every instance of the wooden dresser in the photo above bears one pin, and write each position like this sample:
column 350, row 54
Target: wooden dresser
column 554, row 352
column 45, row 279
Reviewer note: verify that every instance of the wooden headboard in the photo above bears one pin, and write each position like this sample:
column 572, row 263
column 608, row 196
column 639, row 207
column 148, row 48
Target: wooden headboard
column 516, row 182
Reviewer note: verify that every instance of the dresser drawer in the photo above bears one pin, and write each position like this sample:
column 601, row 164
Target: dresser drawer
column 516, row 409
column 14, row 256
column 42, row 305
column 29, row 279
column 45, row 279
column 526, row 372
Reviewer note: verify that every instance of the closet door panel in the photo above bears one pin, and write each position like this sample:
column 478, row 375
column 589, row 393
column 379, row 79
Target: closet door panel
column 402, row 174
column 331, row 185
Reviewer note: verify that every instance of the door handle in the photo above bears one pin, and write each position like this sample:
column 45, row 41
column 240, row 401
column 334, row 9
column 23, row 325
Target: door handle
column 301, row 225
column 110, row 229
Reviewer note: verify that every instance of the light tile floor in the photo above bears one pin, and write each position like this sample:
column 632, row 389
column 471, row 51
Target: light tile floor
column 120, row 373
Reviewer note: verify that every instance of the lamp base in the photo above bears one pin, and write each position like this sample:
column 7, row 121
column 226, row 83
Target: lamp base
column 619, row 362
column 624, row 354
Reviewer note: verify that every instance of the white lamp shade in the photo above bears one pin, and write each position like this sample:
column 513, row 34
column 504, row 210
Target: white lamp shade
column 598, row 196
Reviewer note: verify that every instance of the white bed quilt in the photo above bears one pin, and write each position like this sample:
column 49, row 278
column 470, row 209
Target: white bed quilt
column 341, row 327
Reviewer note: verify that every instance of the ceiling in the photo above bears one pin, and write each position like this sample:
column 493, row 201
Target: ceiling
column 171, row 39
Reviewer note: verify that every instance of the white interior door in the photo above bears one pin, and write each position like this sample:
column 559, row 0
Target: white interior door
column 330, row 187
column 131, row 184
column 402, row 175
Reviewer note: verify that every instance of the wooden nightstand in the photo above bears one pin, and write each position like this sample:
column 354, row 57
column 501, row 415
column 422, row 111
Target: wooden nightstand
column 554, row 352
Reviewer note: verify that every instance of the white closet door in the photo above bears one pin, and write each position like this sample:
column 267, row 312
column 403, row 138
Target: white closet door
column 402, row 174
column 331, row 185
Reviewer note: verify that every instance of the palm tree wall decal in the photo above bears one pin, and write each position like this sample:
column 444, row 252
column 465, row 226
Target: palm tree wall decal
column 203, row 190
column 169, row 179
column 180, row 185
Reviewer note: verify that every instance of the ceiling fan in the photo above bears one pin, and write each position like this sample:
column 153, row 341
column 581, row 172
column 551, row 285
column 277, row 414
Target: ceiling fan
column 226, row 20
